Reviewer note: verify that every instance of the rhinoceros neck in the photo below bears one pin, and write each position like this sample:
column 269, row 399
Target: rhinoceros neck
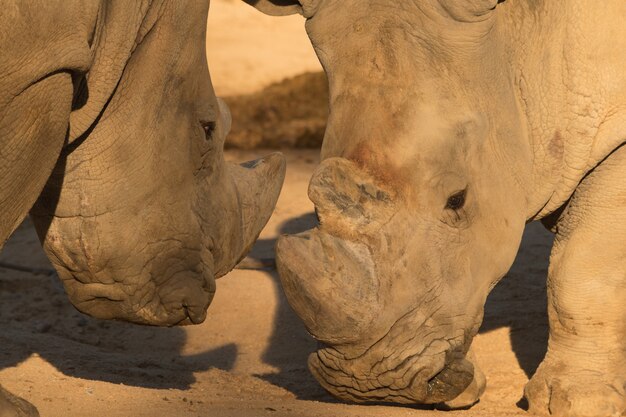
column 119, row 28
column 567, row 62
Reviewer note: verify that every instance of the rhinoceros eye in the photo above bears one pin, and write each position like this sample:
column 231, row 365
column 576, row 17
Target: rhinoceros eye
column 456, row 200
column 208, row 128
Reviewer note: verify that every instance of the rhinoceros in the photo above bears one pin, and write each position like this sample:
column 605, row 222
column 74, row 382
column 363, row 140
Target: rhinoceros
column 112, row 137
column 452, row 124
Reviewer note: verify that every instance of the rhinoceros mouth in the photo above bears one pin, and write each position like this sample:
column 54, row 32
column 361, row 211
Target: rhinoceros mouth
column 423, row 378
column 160, row 294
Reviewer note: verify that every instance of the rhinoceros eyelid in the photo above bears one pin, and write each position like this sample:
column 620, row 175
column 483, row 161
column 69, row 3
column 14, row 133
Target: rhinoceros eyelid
column 456, row 200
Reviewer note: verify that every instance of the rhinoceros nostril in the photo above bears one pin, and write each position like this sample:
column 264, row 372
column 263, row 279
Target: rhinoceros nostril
column 450, row 381
column 192, row 315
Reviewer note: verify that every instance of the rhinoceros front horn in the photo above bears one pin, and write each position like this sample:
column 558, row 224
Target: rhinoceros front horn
column 258, row 184
column 332, row 259
column 313, row 266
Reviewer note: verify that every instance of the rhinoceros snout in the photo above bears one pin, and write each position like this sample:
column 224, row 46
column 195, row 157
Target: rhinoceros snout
column 180, row 298
column 372, row 349
column 412, row 381
column 184, row 300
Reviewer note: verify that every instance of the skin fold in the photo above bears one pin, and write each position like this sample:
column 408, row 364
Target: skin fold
column 452, row 124
column 112, row 138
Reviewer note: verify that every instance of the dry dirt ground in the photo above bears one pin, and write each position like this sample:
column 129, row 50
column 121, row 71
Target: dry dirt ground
column 249, row 357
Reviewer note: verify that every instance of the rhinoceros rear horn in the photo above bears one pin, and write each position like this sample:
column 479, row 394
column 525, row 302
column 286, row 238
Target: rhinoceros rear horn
column 344, row 193
column 469, row 10
column 284, row 7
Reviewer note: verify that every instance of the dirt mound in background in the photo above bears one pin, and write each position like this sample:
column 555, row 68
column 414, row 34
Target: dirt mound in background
column 291, row 113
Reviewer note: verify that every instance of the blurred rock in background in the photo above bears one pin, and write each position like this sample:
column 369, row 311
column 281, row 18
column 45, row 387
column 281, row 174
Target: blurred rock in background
column 267, row 72
column 289, row 113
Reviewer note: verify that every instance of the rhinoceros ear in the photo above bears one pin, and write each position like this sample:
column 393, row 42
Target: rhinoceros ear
column 284, row 7
column 469, row 10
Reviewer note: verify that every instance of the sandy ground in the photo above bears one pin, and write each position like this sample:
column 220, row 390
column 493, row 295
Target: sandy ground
column 248, row 51
column 249, row 357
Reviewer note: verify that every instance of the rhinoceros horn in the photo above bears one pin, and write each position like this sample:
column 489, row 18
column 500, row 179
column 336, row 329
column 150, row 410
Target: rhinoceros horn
column 348, row 198
column 348, row 202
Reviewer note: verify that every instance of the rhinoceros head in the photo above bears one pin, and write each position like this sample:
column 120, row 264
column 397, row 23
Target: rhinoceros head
column 142, row 212
column 419, row 196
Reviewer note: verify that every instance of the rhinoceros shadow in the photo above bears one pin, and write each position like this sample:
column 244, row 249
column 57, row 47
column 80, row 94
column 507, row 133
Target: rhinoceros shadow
column 37, row 318
column 517, row 302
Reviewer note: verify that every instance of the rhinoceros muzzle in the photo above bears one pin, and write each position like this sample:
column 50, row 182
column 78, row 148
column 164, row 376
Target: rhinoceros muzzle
column 410, row 382
column 333, row 285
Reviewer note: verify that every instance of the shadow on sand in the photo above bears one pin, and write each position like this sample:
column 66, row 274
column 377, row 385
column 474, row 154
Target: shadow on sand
column 36, row 317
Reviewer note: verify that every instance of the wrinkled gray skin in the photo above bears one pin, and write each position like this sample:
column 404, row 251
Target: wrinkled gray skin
column 112, row 137
column 452, row 124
